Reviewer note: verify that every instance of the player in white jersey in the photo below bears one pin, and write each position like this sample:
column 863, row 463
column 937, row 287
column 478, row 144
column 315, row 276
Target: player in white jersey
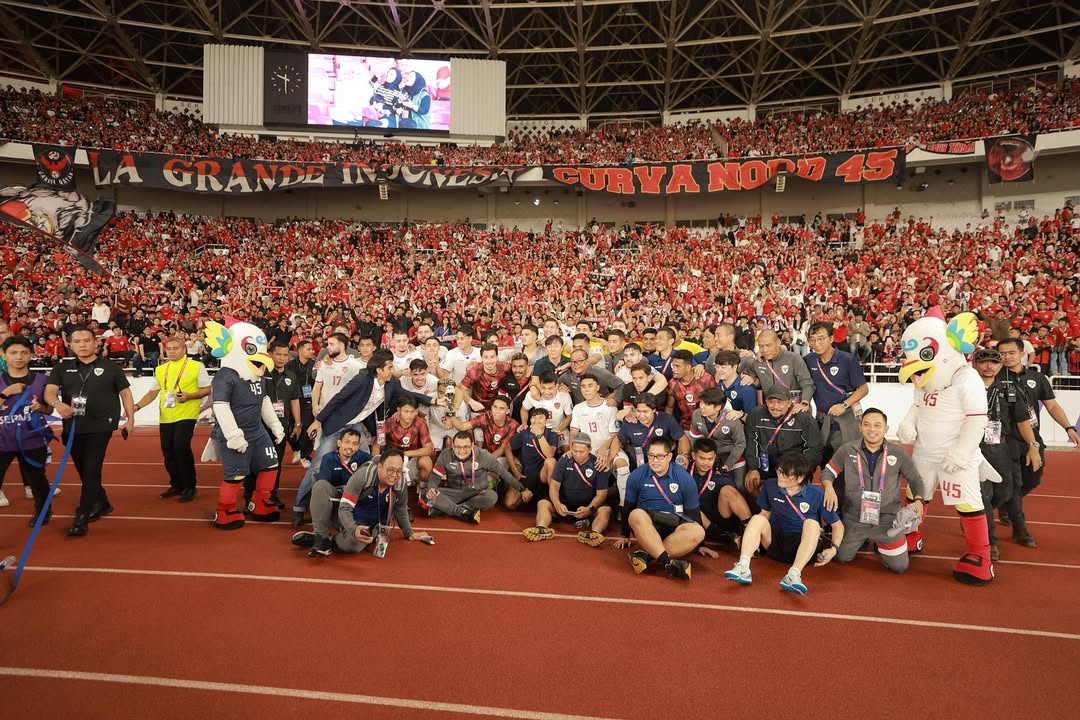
column 419, row 380
column 403, row 352
column 331, row 376
column 597, row 419
column 458, row 360
column 545, row 394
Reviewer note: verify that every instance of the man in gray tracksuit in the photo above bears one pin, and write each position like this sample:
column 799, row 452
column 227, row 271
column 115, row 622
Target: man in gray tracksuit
column 466, row 468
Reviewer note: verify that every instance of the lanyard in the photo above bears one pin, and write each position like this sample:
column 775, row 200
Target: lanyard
column 705, row 485
column 716, row 427
column 344, row 462
column 582, row 475
column 884, row 465
column 178, row 377
column 821, row 369
column 521, row 392
column 660, row 487
column 472, row 464
column 788, row 498
column 389, row 504
column 780, row 426
column 645, row 442
column 85, row 377
column 667, row 365
column 778, row 378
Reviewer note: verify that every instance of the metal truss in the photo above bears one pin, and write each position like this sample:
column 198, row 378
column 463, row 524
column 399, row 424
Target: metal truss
column 565, row 58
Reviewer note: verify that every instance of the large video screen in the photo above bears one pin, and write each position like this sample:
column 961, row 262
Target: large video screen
column 352, row 91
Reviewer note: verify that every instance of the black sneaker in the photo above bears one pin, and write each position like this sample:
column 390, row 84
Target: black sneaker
column 79, row 526
column 304, row 539
column 99, row 510
column 324, row 546
column 678, row 569
column 187, row 495
column 297, row 518
column 639, row 560
column 171, row 492
column 470, row 516
column 34, row 517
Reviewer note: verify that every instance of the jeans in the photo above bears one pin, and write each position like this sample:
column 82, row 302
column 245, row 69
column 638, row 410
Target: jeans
column 327, row 445
column 150, row 362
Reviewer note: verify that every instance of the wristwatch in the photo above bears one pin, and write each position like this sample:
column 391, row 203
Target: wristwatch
column 835, row 547
column 1033, row 444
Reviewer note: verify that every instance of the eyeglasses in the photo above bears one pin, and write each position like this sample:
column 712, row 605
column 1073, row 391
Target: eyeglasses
column 393, row 471
column 658, row 456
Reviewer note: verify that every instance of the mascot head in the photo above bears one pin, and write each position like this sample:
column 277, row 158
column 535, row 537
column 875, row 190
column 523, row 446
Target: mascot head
column 240, row 346
column 934, row 350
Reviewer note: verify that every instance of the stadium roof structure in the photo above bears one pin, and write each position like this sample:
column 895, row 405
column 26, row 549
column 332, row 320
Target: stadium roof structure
column 597, row 58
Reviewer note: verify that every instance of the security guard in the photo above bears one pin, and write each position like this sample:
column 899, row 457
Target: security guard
column 90, row 386
column 1007, row 439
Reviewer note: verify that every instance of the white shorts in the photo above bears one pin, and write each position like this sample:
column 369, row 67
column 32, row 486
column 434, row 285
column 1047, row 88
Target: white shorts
column 960, row 488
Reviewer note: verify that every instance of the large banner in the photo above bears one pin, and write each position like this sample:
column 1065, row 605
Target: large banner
column 1010, row 158
column 741, row 174
column 53, row 208
column 245, row 177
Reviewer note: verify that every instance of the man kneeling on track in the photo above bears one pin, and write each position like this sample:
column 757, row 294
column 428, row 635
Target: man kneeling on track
column 789, row 524
column 578, row 492
column 662, row 508
column 372, row 501
column 869, row 508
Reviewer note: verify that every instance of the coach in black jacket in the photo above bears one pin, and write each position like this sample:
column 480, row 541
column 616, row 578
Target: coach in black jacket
column 771, row 430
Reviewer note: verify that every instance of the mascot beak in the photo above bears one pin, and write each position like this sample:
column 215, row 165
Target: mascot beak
column 261, row 362
column 918, row 371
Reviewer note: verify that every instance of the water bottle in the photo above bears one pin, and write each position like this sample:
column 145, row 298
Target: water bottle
column 7, row 562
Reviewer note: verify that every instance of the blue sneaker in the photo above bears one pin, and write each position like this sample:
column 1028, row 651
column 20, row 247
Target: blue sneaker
column 793, row 583
column 740, row 574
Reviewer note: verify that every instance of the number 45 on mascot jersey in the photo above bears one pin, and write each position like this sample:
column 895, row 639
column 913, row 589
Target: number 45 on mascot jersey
column 243, row 413
column 946, row 423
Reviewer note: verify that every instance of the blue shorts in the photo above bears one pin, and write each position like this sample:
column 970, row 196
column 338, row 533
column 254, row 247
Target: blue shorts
column 260, row 455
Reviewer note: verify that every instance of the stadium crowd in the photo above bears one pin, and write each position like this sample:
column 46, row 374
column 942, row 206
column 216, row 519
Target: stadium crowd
column 869, row 278
column 31, row 116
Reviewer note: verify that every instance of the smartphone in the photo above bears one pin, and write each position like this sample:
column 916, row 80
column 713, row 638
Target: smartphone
column 124, row 433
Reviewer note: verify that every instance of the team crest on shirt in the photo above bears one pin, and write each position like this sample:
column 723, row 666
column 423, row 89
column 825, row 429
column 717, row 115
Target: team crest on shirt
column 711, row 485
column 498, row 437
column 725, row 429
column 288, row 382
column 1030, row 383
column 791, row 422
column 659, row 432
column 804, row 506
column 353, row 466
column 689, row 397
column 406, row 440
column 494, row 385
column 588, row 472
column 98, row 372
column 834, row 370
column 733, row 395
column 557, row 405
column 475, row 465
column 784, row 368
column 891, row 460
column 673, row 487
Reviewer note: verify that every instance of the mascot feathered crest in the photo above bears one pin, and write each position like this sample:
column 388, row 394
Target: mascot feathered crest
column 240, row 346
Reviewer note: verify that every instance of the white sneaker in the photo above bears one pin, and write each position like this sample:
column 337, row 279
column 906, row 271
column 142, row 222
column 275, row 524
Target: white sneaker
column 56, row 491
column 29, row 492
column 740, row 574
column 305, row 463
column 296, row 457
column 4, row 502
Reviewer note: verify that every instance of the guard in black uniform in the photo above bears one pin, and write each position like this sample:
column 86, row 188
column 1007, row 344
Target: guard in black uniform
column 92, row 390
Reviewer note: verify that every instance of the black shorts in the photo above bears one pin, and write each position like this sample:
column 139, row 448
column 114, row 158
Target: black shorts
column 783, row 546
column 666, row 523
column 260, row 455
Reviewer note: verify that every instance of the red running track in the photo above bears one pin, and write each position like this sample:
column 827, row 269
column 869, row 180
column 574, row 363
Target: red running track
column 156, row 614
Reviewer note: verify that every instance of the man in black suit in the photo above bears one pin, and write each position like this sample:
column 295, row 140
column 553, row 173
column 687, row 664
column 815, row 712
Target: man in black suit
column 363, row 404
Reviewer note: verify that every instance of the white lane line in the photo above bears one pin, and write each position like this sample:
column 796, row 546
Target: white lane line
column 1056, row 497
column 636, row 602
column 513, row 533
column 1029, row 522
column 407, row 703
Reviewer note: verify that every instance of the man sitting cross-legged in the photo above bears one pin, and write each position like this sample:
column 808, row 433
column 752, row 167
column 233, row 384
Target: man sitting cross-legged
column 661, row 507
column 578, row 494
